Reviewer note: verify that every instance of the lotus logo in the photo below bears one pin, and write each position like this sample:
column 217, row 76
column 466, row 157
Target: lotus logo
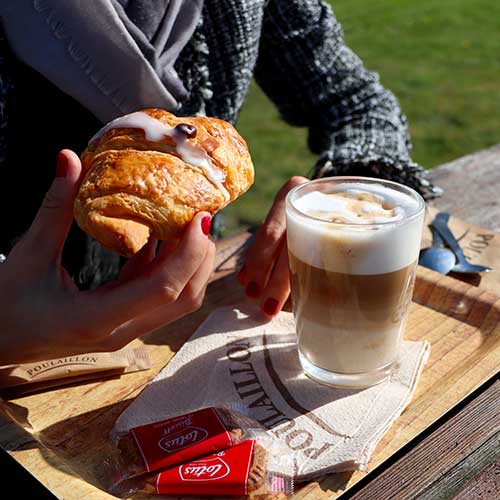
column 182, row 439
column 204, row 470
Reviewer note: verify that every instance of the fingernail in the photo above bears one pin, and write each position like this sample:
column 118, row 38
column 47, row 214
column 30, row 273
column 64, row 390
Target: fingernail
column 242, row 274
column 252, row 290
column 61, row 166
column 270, row 306
column 206, row 222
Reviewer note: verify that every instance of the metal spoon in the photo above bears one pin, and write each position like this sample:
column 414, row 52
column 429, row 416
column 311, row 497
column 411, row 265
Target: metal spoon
column 440, row 223
column 437, row 257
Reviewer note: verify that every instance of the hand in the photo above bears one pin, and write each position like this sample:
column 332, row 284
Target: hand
column 44, row 315
column 265, row 274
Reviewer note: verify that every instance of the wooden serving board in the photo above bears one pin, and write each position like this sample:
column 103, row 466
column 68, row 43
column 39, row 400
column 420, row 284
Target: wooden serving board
column 480, row 245
column 65, row 446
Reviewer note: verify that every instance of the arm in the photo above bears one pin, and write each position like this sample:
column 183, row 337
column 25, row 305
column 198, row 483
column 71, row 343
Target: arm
column 355, row 125
column 48, row 317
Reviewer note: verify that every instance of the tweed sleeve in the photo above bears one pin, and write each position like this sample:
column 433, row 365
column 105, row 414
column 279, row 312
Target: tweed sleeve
column 355, row 125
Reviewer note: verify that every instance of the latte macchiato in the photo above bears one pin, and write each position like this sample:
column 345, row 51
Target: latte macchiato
column 353, row 246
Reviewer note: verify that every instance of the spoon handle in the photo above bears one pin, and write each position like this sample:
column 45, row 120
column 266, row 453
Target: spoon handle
column 441, row 225
column 437, row 241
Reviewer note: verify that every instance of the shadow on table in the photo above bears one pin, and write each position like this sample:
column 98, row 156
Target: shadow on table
column 244, row 368
column 223, row 292
column 78, row 445
column 74, row 446
column 457, row 299
column 85, row 455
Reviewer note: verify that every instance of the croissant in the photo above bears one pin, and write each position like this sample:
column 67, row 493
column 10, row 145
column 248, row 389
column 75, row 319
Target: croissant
column 148, row 173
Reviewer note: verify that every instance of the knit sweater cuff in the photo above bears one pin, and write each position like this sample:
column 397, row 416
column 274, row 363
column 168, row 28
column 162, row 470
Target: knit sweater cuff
column 404, row 172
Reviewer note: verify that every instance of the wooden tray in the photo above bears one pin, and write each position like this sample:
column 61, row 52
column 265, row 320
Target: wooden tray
column 64, row 446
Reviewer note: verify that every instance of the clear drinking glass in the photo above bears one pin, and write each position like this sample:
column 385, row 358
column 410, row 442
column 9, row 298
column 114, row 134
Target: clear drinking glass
column 352, row 282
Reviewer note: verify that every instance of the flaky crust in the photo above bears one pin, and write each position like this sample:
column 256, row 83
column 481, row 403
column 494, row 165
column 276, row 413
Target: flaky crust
column 134, row 188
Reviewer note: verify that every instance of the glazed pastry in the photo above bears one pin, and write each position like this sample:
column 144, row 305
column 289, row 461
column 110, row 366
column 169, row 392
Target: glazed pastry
column 148, row 174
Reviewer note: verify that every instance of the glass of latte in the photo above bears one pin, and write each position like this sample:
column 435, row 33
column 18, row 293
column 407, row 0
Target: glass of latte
column 353, row 245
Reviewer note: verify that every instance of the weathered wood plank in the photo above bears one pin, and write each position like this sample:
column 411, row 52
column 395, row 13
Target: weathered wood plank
column 468, row 473
column 471, row 188
column 435, row 467
column 471, row 192
column 486, row 486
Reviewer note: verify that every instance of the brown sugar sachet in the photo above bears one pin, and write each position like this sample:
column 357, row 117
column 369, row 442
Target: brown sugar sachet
column 30, row 377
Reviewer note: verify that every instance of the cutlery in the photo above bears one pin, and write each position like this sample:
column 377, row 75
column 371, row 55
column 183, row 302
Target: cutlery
column 436, row 257
column 440, row 223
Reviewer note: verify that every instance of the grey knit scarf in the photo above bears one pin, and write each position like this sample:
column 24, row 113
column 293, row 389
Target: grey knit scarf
column 113, row 56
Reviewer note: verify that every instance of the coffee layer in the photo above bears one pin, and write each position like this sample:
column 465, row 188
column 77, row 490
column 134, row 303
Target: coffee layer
column 349, row 323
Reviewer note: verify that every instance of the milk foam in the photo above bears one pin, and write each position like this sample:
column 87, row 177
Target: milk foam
column 344, row 245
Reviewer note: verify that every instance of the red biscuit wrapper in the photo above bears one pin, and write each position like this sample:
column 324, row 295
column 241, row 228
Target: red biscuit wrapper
column 161, row 444
column 245, row 469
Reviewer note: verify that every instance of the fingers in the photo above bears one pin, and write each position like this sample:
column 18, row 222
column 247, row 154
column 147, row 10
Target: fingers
column 264, row 253
column 137, row 263
column 50, row 227
column 184, row 259
column 278, row 287
column 189, row 301
column 161, row 282
column 193, row 292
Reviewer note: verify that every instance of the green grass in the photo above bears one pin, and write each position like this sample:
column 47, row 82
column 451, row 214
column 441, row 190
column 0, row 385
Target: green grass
column 440, row 57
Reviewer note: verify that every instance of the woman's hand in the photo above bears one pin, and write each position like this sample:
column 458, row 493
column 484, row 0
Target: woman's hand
column 44, row 315
column 265, row 274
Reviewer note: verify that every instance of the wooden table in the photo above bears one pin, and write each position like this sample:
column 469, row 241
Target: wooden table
column 460, row 454
column 457, row 455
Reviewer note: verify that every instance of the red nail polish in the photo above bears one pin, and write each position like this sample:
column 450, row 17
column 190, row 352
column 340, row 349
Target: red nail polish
column 270, row 306
column 61, row 166
column 206, row 222
column 252, row 290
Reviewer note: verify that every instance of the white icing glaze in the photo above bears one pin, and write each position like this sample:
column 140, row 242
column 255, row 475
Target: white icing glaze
column 155, row 131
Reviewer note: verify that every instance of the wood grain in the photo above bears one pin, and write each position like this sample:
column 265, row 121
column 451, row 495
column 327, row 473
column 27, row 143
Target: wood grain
column 440, row 465
column 470, row 473
column 485, row 486
column 67, row 444
column 471, row 191
column 70, row 428
column 471, row 188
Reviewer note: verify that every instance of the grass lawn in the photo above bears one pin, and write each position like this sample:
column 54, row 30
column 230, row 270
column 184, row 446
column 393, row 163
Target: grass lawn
column 440, row 57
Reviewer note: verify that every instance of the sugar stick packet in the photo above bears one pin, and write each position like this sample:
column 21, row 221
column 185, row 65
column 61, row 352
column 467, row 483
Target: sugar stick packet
column 30, row 377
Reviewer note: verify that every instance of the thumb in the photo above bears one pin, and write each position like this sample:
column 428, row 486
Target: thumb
column 53, row 220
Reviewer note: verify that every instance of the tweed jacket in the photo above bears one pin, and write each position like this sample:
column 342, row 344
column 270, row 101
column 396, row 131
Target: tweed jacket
column 295, row 51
